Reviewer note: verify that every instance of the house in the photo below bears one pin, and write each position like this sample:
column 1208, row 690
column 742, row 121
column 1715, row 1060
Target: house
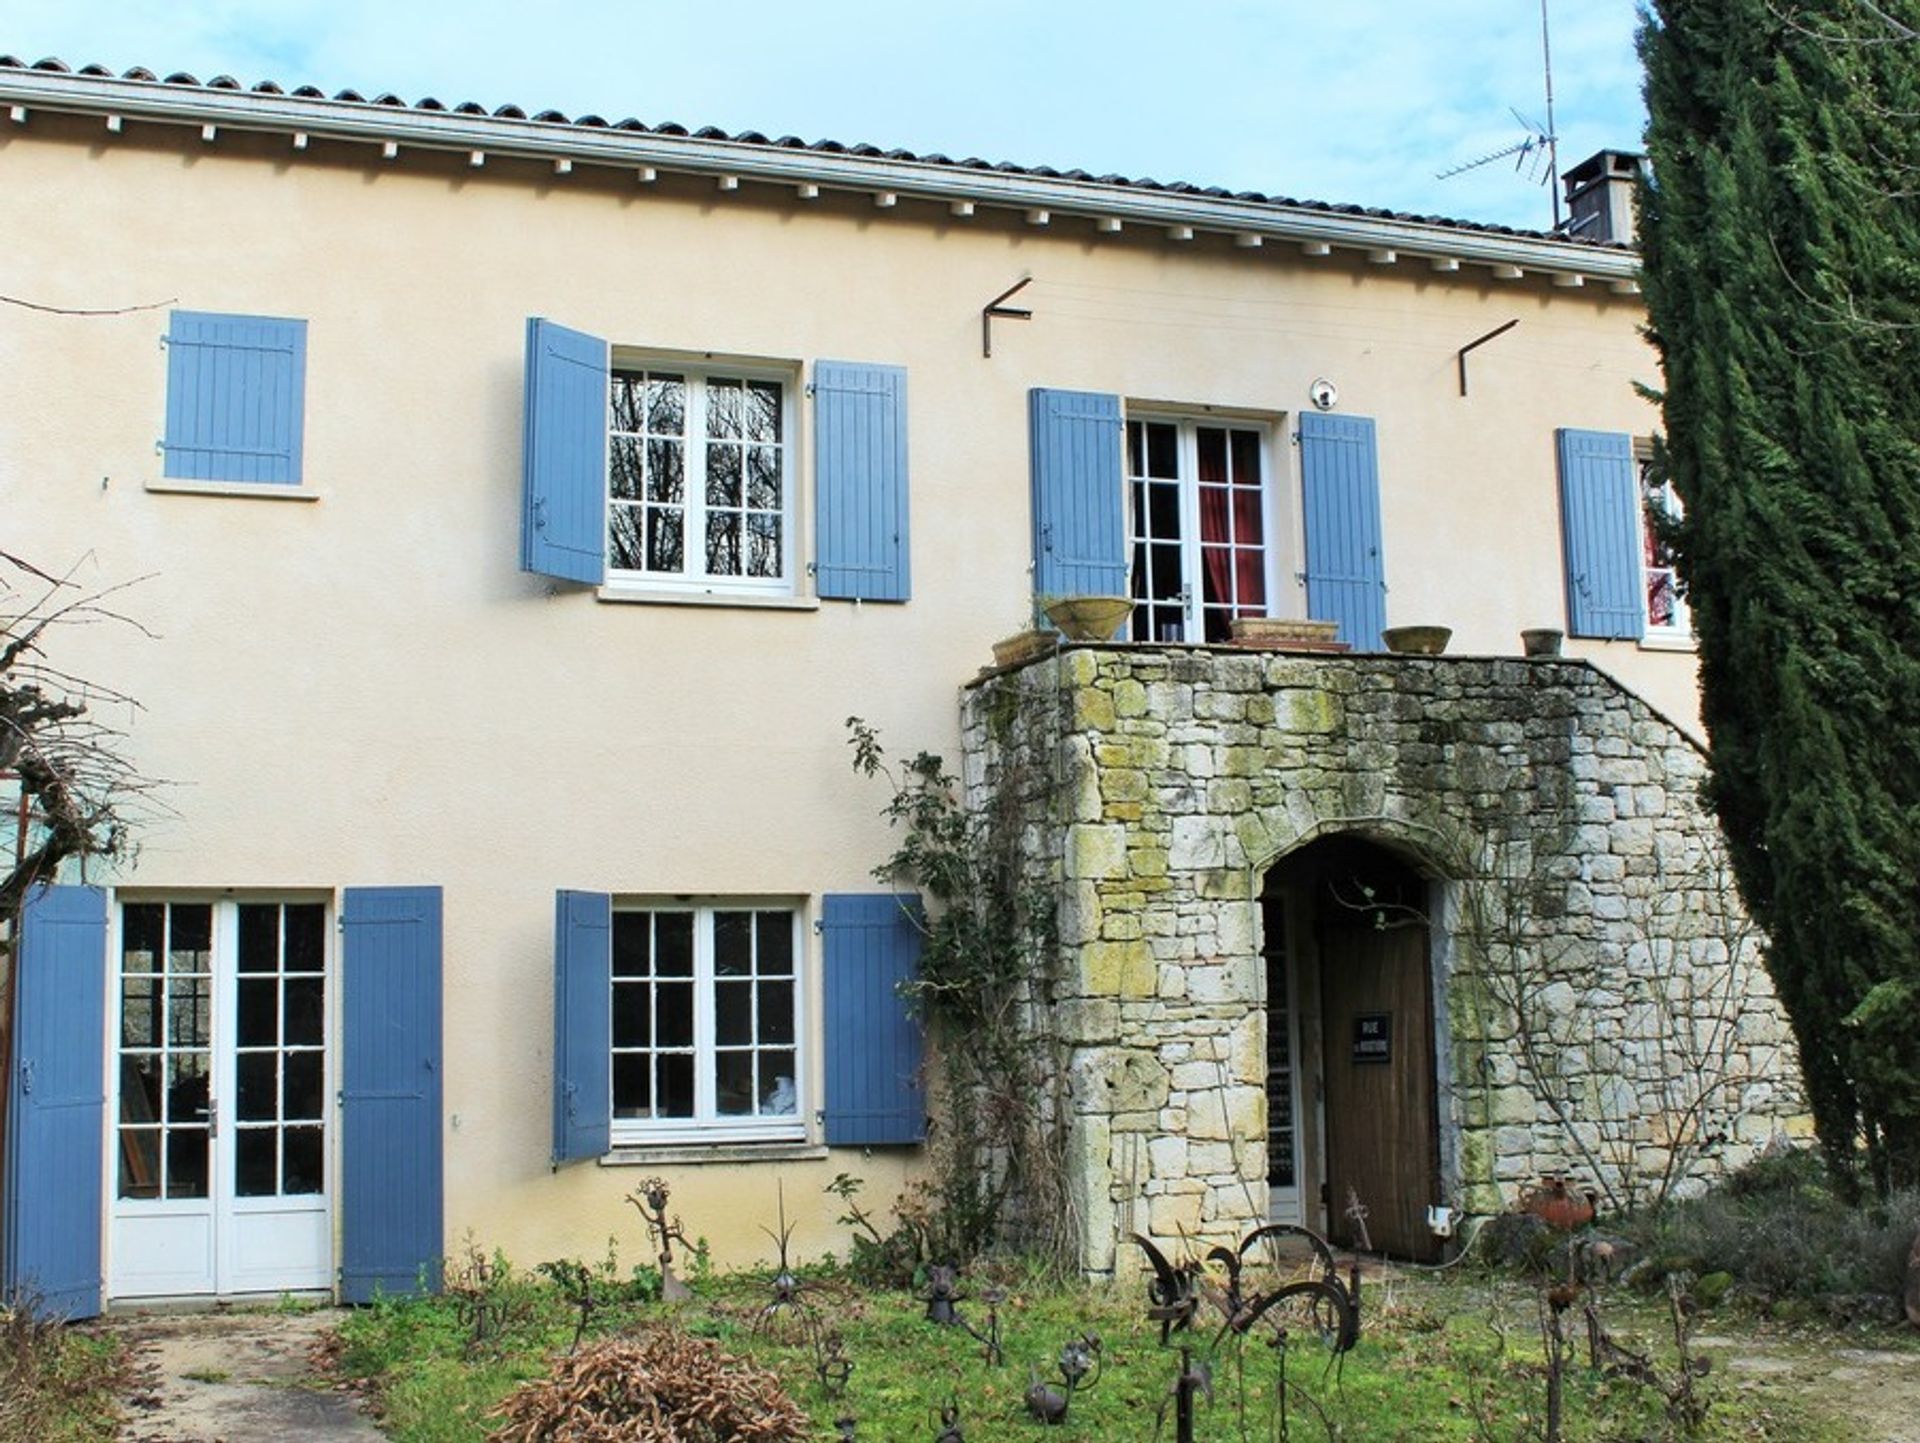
column 519, row 504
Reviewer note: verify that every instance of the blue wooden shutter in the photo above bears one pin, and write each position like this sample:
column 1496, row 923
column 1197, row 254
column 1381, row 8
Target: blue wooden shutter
column 236, row 398
column 56, row 1107
column 872, row 945
column 582, row 1025
column 1079, row 527
column 860, row 469
column 563, row 523
column 1600, row 531
column 1340, row 494
column 390, row 1165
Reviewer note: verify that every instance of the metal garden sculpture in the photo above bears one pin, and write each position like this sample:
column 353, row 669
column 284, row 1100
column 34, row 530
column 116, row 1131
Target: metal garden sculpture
column 1321, row 1301
column 1079, row 1366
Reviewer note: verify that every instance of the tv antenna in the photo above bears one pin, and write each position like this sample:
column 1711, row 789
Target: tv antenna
column 1536, row 154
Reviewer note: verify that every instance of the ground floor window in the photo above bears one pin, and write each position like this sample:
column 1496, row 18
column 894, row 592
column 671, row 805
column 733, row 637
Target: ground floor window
column 706, row 1020
column 1198, row 508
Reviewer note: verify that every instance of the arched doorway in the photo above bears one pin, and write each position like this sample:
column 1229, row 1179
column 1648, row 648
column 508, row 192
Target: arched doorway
column 1351, row 1090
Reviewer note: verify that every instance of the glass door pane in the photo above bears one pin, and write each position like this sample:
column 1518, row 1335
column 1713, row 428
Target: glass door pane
column 165, row 1049
column 279, row 1056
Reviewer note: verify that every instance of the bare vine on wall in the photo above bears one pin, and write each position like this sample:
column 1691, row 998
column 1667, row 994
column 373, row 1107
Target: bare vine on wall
column 1639, row 1057
column 984, row 986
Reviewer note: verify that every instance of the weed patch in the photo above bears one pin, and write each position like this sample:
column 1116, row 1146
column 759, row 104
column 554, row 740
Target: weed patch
column 57, row 1384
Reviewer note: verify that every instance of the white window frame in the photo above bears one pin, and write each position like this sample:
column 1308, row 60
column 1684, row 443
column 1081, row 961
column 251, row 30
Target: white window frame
column 1192, row 562
column 707, row 1125
column 697, row 372
column 1679, row 631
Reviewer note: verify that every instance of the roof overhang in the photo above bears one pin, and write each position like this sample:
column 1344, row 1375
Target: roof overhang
column 1111, row 206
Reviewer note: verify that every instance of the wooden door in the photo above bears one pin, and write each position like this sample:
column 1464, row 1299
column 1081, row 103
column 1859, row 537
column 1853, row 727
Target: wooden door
column 1377, row 1022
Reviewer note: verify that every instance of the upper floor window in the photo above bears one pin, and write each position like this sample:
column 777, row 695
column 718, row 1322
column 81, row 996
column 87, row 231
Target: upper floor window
column 699, row 479
column 1659, row 508
column 1198, row 527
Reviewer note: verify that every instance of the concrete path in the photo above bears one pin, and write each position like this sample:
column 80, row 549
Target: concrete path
column 233, row 1377
column 1876, row 1391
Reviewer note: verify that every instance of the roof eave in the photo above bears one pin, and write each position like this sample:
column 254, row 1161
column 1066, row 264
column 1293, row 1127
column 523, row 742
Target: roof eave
column 158, row 101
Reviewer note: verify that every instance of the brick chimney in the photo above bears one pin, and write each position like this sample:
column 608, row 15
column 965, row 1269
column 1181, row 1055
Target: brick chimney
column 1600, row 196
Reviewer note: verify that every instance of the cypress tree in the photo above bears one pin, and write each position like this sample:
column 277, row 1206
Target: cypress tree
column 1781, row 245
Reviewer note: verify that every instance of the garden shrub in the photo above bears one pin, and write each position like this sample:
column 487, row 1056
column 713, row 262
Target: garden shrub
column 1782, row 1230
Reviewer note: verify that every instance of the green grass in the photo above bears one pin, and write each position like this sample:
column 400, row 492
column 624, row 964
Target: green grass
column 1432, row 1365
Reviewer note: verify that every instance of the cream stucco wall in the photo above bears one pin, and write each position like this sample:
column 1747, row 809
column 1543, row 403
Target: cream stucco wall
column 365, row 689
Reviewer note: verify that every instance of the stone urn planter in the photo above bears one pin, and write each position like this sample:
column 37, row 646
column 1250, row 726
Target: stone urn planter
column 1417, row 640
column 1542, row 640
column 1088, row 618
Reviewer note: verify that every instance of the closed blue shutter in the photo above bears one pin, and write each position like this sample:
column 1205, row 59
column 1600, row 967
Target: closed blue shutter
column 56, row 1105
column 1340, row 494
column 1079, row 529
column 582, row 1025
column 860, row 468
column 872, row 945
column 1600, row 530
column 390, row 1166
column 236, row 398
column 563, row 523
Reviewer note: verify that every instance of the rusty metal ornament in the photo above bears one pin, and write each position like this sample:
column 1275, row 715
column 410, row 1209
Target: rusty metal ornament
column 1079, row 1365
column 1323, row 1299
column 650, row 1201
column 943, row 1291
column 950, row 1424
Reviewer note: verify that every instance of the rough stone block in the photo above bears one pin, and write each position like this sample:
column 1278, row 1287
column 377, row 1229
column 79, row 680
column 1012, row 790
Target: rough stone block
column 1168, row 1156
column 1095, row 851
column 1175, row 1216
column 1197, row 843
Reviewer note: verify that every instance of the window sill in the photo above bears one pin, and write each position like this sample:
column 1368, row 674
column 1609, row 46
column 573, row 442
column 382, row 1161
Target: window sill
column 743, row 599
column 1679, row 641
column 660, row 1154
column 258, row 492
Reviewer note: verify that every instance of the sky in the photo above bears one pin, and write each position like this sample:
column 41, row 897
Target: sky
column 1359, row 101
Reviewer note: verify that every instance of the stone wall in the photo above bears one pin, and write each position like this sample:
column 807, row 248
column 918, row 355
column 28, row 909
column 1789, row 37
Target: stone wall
column 1599, row 1007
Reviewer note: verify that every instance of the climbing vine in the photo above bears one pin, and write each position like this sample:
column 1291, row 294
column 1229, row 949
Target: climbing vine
column 984, row 987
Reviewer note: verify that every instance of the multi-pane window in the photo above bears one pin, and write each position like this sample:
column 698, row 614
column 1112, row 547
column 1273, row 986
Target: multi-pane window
column 699, row 485
column 1659, row 509
column 704, row 1020
column 1197, row 506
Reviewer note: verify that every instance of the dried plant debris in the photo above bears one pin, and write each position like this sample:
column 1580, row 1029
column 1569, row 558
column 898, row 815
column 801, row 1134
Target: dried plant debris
column 660, row 1386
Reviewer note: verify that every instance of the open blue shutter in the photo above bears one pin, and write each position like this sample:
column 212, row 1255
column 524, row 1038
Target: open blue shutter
column 1600, row 530
column 1079, row 528
column 1340, row 493
column 582, row 1025
column 860, row 468
column 236, row 398
column 56, row 1105
column 563, row 523
column 390, row 1166
column 872, row 945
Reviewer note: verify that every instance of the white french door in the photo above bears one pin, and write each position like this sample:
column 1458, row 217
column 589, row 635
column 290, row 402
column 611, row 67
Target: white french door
column 219, row 1157
column 1199, row 527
